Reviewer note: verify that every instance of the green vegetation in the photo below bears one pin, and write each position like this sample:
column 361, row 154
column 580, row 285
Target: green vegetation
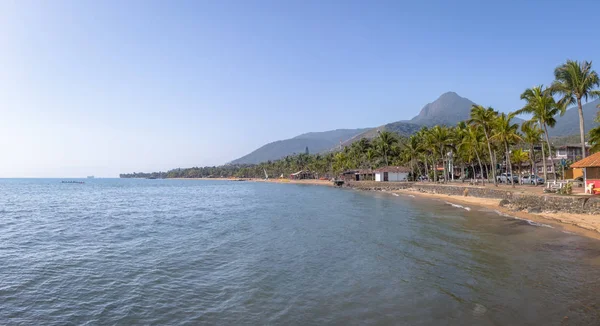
column 575, row 81
column 486, row 141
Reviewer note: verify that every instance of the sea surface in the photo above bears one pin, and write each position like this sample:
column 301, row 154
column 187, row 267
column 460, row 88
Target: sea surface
column 184, row 252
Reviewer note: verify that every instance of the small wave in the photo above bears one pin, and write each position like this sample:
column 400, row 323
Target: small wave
column 530, row 222
column 459, row 206
column 503, row 214
column 395, row 194
column 479, row 310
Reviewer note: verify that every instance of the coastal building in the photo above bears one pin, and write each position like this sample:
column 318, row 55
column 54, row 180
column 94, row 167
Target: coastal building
column 571, row 152
column 392, row 173
column 591, row 170
column 358, row 175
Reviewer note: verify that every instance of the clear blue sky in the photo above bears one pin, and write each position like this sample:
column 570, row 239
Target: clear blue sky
column 103, row 87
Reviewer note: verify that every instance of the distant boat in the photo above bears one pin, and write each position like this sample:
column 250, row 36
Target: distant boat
column 72, row 181
column 90, row 177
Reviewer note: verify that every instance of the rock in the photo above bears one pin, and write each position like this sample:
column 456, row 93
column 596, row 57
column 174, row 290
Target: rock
column 466, row 192
column 503, row 202
column 534, row 210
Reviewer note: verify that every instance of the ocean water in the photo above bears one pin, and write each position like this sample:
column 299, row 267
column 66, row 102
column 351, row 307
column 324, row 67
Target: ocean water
column 183, row 252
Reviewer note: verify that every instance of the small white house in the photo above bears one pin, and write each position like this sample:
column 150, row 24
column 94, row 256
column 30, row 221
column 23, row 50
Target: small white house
column 392, row 173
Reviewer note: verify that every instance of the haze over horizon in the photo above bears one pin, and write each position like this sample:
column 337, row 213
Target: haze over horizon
column 108, row 87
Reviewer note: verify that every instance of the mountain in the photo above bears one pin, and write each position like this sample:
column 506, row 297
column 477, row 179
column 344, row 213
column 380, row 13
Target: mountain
column 400, row 127
column 448, row 109
column 568, row 124
column 315, row 141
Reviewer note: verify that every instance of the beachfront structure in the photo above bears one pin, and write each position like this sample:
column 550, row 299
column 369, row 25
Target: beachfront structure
column 571, row 152
column 358, row 175
column 392, row 173
column 591, row 170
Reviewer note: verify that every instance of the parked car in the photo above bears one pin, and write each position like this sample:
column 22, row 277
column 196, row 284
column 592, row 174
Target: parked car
column 530, row 179
column 505, row 178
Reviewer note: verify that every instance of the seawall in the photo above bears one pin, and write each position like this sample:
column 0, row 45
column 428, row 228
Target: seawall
column 514, row 200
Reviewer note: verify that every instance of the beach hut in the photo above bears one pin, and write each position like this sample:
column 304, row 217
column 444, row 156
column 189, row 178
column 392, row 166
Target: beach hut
column 591, row 171
column 392, row 173
column 358, row 175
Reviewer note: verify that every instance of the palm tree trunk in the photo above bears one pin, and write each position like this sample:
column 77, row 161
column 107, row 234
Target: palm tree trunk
column 480, row 167
column 532, row 159
column 544, row 163
column 491, row 157
column 445, row 171
column 385, row 155
column 426, row 167
column 473, row 170
column 512, row 180
column 434, row 170
column 581, row 127
column 487, row 173
column 550, row 152
column 412, row 168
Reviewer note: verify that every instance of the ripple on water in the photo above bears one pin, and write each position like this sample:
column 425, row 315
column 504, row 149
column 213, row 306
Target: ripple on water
column 214, row 252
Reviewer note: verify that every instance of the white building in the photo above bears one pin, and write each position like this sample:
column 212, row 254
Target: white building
column 392, row 173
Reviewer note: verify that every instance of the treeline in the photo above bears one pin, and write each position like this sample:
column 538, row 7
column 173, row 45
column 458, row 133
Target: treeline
column 383, row 150
column 479, row 147
column 224, row 171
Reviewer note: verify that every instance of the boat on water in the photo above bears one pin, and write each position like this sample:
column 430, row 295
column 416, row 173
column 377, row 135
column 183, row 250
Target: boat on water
column 72, row 181
column 90, row 177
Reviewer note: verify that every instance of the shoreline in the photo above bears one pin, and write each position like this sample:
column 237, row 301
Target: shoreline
column 582, row 224
column 587, row 225
column 573, row 223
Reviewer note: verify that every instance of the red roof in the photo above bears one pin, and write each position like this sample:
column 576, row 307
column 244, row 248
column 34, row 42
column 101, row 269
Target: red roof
column 397, row 169
column 592, row 161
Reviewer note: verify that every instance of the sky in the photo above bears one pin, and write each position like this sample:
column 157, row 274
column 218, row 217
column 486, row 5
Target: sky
column 108, row 87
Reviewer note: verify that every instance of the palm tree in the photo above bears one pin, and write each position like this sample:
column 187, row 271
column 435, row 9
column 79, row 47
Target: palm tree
column 484, row 118
column 440, row 138
column 518, row 157
column 532, row 135
column 340, row 162
column 575, row 81
column 506, row 133
column 423, row 136
column 471, row 142
column 544, row 108
column 370, row 156
column 411, row 151
column 594, row 137
column 385, row 141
